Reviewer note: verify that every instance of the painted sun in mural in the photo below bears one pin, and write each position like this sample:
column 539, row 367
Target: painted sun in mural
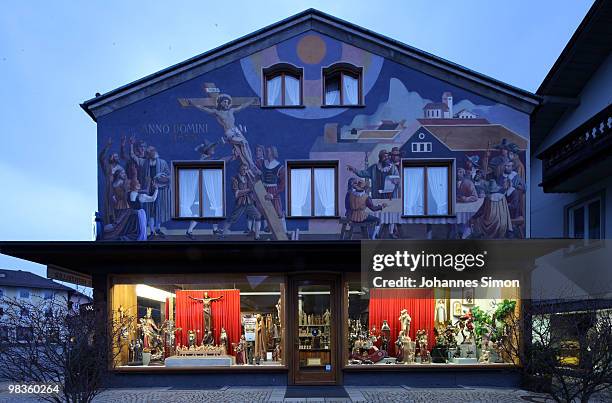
column 311, row 49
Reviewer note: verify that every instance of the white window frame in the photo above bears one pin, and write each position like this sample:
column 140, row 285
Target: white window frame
column 200, row 166
column 312, row 165
column 431, row 162
column 584, row 204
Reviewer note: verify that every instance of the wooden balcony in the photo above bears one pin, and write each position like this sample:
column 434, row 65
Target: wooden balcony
column 581, row 158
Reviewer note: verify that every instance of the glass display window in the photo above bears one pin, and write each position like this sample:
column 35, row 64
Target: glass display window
column 199, row 320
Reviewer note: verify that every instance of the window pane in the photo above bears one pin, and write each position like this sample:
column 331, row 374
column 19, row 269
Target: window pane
column 577, row 227
column 189, row 193
column 212, row 187
column 595, row 220
column 292, row 91
column 325, row 191
column 24, row 294
column 274, row 91
column 437, row 190
column 413, row 191
column 332, row 90
column 351, row 90
column 300, row 192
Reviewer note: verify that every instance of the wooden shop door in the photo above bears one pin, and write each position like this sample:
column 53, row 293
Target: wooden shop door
column 314, row 323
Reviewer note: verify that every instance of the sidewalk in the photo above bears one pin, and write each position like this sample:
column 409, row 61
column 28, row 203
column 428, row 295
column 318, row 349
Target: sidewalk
column 277, row 394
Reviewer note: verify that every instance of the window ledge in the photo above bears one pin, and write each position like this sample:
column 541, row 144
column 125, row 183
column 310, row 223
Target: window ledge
column 283, row 106
column 430, row 216
column 221, row 218
column 344, row 106
column 316, row 217
column 234, row 368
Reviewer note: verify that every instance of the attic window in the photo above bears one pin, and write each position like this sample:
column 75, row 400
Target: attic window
column 342, row 85
column 283, row 85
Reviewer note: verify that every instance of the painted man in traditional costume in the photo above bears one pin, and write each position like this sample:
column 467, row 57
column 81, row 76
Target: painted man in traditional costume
column 157, row 173
column 360, row 200
column 109, row 166
column 273, row 179
column 242, row 186
column 492, row 220
column 378, row 173
column 466, row 191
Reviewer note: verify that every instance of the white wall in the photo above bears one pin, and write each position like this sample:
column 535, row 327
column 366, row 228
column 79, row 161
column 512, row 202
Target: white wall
column 547, row 209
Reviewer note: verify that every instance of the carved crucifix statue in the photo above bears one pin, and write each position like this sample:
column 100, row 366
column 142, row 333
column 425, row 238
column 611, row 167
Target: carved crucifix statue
column 206, row 305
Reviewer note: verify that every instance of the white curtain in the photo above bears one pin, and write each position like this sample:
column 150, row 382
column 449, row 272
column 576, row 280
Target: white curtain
column 351, row 90
column 332, row 91
column 213, row 190
column 325, row 191
column 292, row 91
column 274, row 91
column 437, row 190
column 413, row 191
column 189, row 193
column 300, row 192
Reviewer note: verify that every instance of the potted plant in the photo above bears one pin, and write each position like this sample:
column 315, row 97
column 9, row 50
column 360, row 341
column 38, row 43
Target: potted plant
column 146, row 356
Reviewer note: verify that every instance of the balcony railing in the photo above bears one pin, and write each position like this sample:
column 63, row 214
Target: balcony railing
column 570, row 156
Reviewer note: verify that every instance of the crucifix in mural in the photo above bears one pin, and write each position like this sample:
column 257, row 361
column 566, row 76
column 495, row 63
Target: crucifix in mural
column 223, row 107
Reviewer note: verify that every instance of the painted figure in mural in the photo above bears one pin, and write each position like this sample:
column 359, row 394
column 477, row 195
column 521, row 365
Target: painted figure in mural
column 260, row 156
column 378, row 173
column 109, row 166
column 224, row 113
column 514, row 188
column 479, row 184
column 492, row 220
column 496, row 164
column 242, row 187
column 158, row 174
column 207, row 309
column 120, row 187
column 359, row 200
column 134, row 171
column 273, row 179
column 471, row 165
column 466, row 191
column 513, row 155
column 206, row 151
column 131, row 223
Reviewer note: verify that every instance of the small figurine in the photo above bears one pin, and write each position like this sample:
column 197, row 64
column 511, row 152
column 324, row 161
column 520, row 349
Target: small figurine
column 191, row 337
column 223, row 338
column 485, row 357
column 405, row 320
column 327, row 317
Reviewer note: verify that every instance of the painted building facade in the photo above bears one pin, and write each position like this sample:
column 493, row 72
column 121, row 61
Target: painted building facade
column 318, row 122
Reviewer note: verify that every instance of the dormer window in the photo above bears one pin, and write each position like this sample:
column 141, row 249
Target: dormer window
column 283, row 85
column 342, row 85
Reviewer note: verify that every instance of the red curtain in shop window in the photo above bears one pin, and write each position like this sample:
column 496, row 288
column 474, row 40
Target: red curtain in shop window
column 225, row 313
column 386, row 305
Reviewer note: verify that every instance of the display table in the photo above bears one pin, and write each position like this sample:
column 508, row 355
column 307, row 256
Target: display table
column 465, row 360
column 200, row 361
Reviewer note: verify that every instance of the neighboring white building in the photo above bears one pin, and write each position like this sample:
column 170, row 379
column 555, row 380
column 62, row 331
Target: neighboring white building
column 571, row 181
column 23, row 285
column 440, row 110
column 571, row 176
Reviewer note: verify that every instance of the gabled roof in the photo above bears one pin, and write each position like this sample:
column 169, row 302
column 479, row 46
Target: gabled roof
column 587, row 49
column 436, row 105
column 316, row 20
column 475, row 137
column 18, row 278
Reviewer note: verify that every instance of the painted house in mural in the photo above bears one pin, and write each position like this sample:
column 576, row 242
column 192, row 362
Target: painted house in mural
column 262, row 164
column 338, row 141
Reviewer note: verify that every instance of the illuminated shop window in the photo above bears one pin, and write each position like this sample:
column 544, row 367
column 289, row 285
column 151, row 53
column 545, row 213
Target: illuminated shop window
column 204, row 320
column 199, row 189
column 282, row 85
column 312, row 188
column 427, row 188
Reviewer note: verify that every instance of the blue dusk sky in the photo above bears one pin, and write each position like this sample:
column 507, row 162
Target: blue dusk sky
column 56, row 54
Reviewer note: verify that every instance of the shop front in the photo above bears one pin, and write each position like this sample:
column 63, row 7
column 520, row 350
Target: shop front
column 293, row 313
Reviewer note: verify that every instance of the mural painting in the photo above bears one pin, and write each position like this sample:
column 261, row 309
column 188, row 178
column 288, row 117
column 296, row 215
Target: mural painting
column 399, row 157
